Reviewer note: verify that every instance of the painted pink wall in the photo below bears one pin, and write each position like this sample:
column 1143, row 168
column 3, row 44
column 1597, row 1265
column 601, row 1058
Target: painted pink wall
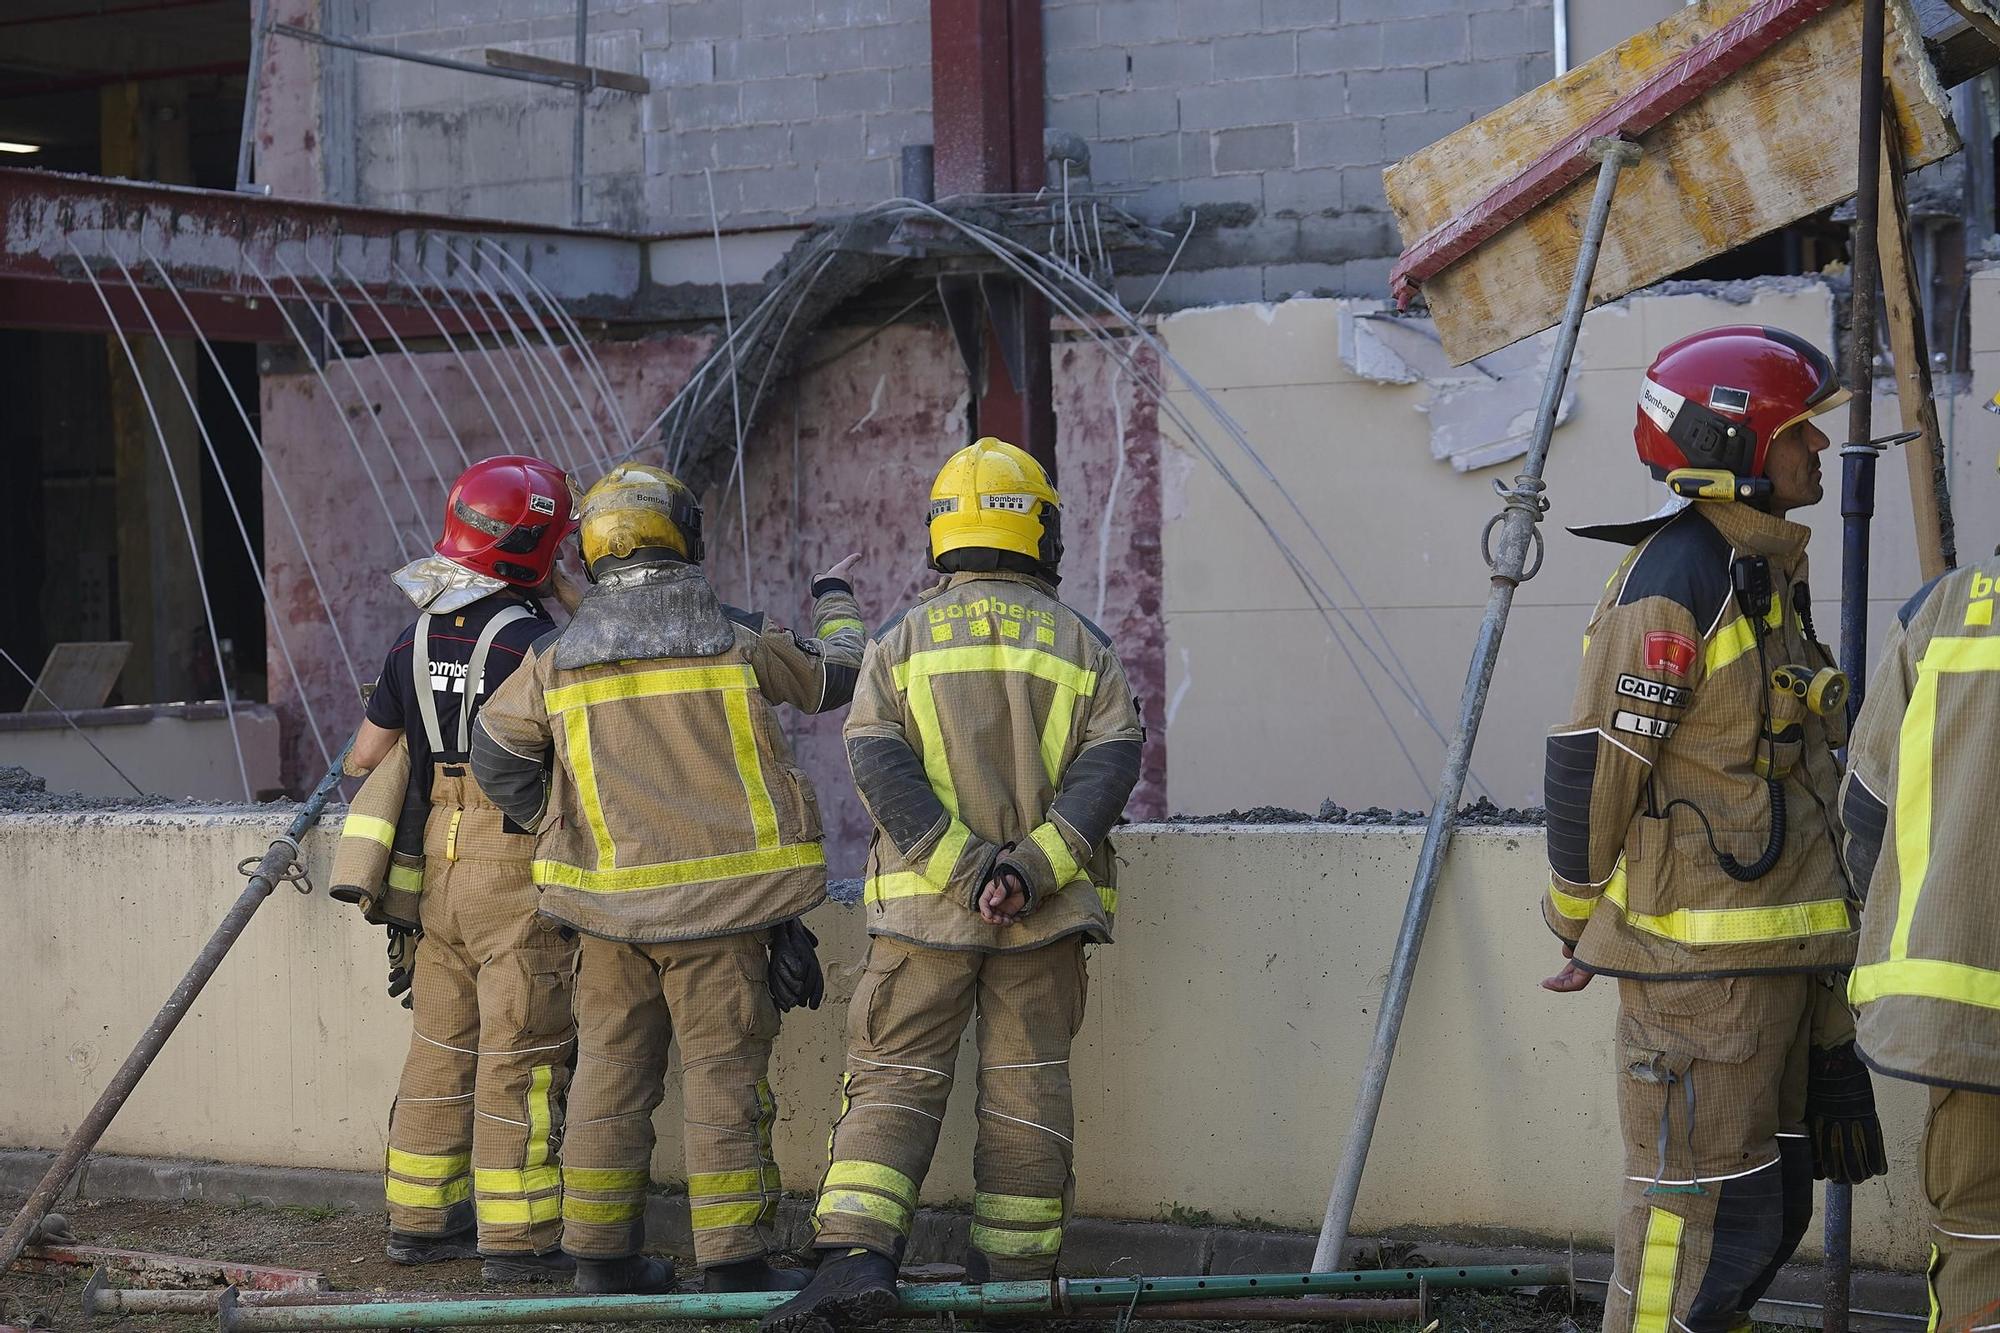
column 842, row 461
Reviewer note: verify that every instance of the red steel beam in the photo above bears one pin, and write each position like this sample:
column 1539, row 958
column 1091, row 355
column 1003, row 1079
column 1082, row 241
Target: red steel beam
column 1666, row 90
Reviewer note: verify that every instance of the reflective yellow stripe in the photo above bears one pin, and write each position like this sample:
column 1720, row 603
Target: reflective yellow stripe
column 369, row 827
column 1575, row 906
column 713, row 1184
column 833, row 627
column 503, row 1180
column 1107, row 898
column 995, row 657
column 1653, row 1306
column 451, row 836
column 710, row 1216
column 1926, row 978
column 944, row 857
column 538, row 1113
column 1738, row 637
column 576, row 729
column 646, row 684
column 429, row 1168
column 1015, row 1244
column 428, row 1196
column 410, row 879
column 743, row 739
column 595, row 1212
column 897, row 884
column 545, row 1209
column 669, row 874
column 886, row 1211
column 937, row 766
column 1017, row 1207
column 605, row 1178
column 875, row 1176
column 1061, row 861
column 1930, row 1288
column 1055, row 735
column 1735, row 925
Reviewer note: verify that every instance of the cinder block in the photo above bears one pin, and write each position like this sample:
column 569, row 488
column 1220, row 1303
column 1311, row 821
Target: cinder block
column 910, row 89
column 829, row 138
column 1079, row 115
column 824, row 51
column 392, row 16
column 856, row 90
column 1111, row 162
column 1069, row 27
column 896, row 45
column 1346, row 142
column 703, row 107
column 1157, row 157
column 1168, row 64
column 1247, row 188
column 1333, row 238
column 851, row 13
column 687, row 151
column 1284, row 281
column 856, row 184
column 1438, row 40
column 1385, row 92
column 690, row 195
column 1136, row 22
column 1300, row 14
column 1091, row 69
column 1218, row 18
column 1302, row 193
column 680, row 63
column 1478, row 85
column 888, row 131
column 778, row 100
column 776, row 18
column 1361, row 188
column 752, row 146
column 1349, row 46
column 1259, row 148
column 788, row 189
column 1256, row 57
column 1403, row 135
column 705, row 19
column 1366, row 277
column 750, row 58
column 1504, row 32
column 1360, row 11
column 1225, row 106
column 468, row 13
column 1130, row 115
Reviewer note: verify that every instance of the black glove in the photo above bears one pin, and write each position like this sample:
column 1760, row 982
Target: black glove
column 1006, row 865
column 1841, row 1123
column 402, row 963
column 794, row 973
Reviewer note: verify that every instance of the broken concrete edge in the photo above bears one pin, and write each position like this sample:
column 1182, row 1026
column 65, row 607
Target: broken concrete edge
column 1097, row 1246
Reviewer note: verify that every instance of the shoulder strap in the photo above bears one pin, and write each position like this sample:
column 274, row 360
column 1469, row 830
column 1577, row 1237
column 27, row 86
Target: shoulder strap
column 475, row 673
column 420, row 668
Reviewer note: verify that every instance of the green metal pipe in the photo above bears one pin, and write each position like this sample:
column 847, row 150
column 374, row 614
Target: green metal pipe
column 999, row 1299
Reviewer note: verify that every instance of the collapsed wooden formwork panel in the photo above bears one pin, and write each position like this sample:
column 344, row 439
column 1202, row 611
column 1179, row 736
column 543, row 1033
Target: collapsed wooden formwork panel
column 1763, row 149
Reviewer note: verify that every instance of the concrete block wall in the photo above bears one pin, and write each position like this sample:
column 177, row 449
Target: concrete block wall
column 1269, row 120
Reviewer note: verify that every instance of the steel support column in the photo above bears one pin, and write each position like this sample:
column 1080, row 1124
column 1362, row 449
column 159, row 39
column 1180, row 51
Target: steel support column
column 986, row 98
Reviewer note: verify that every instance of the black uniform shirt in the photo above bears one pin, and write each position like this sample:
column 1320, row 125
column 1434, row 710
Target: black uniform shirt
column 453, row 637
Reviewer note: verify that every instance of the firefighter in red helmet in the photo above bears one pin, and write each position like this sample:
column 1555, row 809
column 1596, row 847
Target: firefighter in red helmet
column 477, row 1119
column 1693, row 848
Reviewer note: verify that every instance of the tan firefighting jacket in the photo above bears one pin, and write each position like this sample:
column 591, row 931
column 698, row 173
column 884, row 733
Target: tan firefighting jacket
column 673, row 809
column 1658, row 769
column 378, row 862
column 991, row 719
column 1923, row 779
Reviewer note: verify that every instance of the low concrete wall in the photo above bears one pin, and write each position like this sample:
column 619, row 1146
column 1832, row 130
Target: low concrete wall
column 167, row 749
column 1215, row 1077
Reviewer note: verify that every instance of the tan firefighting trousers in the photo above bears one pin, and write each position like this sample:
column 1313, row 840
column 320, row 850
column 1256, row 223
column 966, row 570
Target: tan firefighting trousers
column 1718, row 1170
column 903, row 1029
column 478, row 1115
column 1962, row 1181
column 712, row 997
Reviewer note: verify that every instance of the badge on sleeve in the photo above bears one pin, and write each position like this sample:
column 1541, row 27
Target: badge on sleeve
column 1667, row 651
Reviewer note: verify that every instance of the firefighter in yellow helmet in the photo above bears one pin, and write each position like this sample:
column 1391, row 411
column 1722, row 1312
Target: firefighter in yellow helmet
column 1922, row 771
column 678, row 837
column 994, row 741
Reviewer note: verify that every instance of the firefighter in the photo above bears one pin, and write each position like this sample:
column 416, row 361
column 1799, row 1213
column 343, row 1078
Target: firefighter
column 477, row 1116
column 1927, row 981
column 680, row 839
column 1693, row 846
column 994, row 741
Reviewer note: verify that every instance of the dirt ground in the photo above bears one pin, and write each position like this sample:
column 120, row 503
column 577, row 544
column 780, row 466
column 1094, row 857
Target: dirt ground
column 347, row 1248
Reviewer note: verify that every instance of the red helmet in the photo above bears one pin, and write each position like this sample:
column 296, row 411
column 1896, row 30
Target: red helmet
column 1715, row 400
column 506, row 516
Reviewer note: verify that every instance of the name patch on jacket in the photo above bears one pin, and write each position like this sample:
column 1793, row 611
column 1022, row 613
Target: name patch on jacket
column 1652, row 691
column 1667, row 651
column 1641, row 725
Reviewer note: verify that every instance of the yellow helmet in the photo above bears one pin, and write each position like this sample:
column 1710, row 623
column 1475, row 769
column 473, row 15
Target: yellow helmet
column 993, row 495
column 635, row 508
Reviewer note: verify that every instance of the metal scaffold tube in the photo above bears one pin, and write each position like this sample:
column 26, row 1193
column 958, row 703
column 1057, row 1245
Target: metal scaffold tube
column 1517, row 524
column 1065, row 1298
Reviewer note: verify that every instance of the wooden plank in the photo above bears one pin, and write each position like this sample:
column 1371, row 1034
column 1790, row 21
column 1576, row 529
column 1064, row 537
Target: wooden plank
column 1753, row 155
column 563, row 69
column 78, row 676
column 1910, row 346
column 1981, row 14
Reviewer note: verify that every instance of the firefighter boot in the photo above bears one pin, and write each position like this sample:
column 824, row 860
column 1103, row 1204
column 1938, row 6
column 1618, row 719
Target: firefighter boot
column 507, row 1270
column 404, row 1248
column 853, row 1290
column 752, row 1275
column 635, row 1275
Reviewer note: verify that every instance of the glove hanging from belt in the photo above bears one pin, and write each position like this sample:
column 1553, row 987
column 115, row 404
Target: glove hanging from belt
column 402, row 963
column 793, row 973
column 1841, row 1123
